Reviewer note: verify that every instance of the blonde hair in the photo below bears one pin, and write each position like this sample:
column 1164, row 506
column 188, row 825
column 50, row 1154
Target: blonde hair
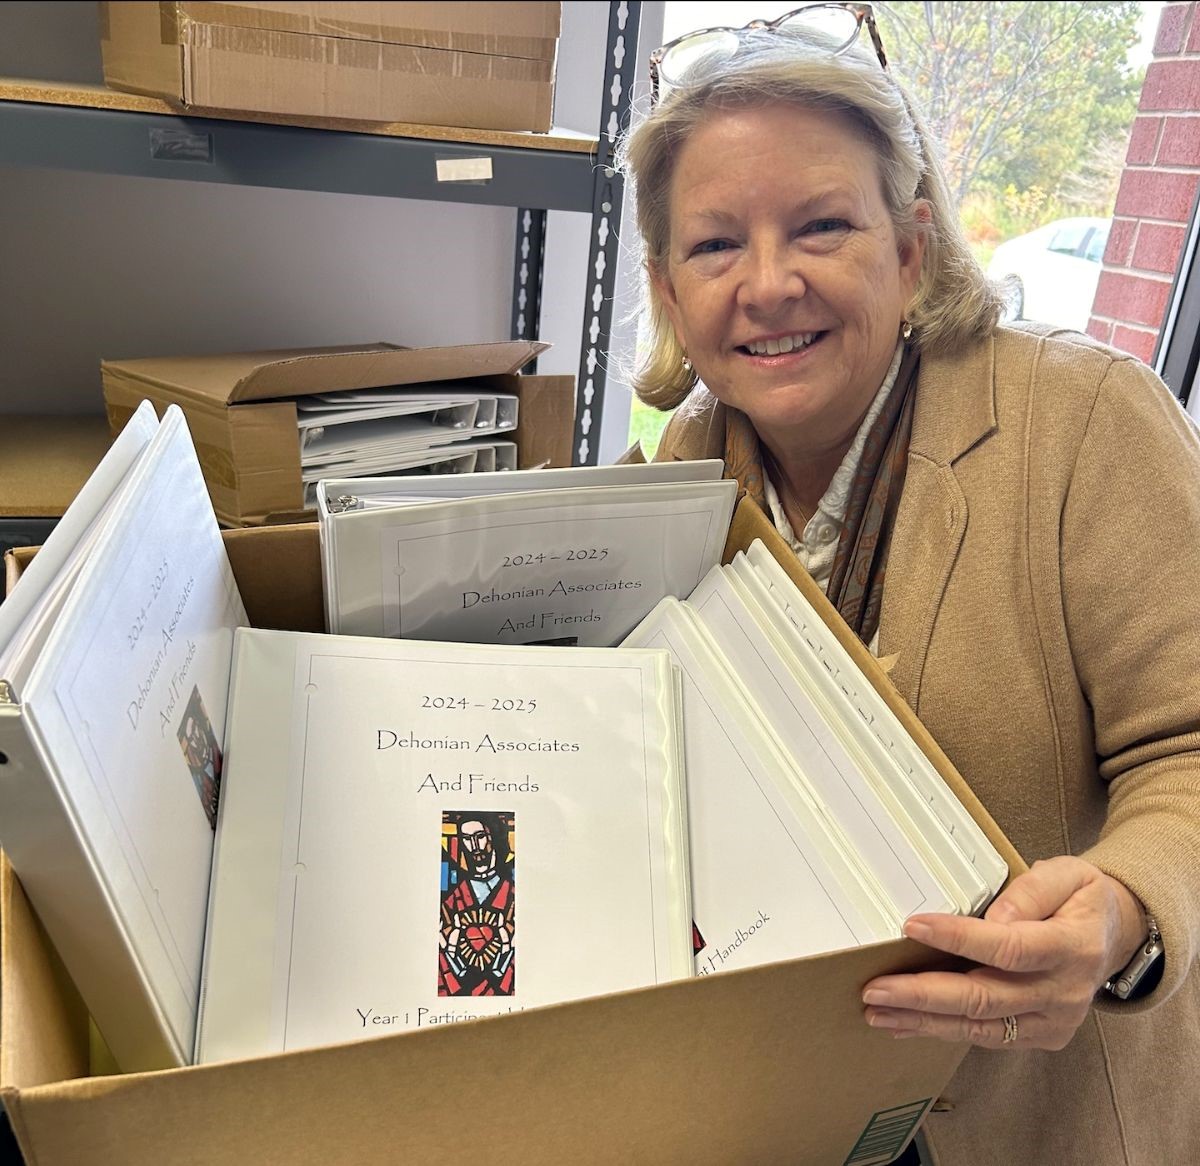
column 953, row 305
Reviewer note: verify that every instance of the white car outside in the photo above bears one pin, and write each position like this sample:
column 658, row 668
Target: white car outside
column 1051, row 273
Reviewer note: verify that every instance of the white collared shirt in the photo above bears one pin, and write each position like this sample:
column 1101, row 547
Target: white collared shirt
column 816, row 548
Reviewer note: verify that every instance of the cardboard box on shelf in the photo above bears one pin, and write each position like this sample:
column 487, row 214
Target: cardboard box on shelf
column 44, row 459
column 478, row 65
column 769, row 1064
column 244, row 427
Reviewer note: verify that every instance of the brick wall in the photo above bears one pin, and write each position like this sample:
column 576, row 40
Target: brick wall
column 1157, row 191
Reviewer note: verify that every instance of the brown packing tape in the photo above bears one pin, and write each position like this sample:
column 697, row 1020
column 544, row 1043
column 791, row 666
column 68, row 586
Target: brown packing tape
column 118, row 415
column 134, row 54
column 374, row 56
column 170, row 23
column 217, row 465
column 749, row 523
column 206, row 424
column 264, row 445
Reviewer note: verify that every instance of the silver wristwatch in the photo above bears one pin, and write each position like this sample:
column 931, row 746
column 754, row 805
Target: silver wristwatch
column 1149, row 956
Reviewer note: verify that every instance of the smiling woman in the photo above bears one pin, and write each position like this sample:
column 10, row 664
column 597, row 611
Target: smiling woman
column 786, row 280
column 978, row 501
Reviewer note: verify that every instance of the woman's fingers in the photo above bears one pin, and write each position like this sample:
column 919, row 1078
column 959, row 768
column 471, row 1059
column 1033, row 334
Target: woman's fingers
column 1027, row 1030
column 976, row 995
column 1041, row 890
column 1011, row 947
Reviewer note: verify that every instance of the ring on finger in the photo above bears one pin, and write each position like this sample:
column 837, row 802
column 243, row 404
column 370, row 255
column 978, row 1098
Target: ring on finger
column 1010, row 1030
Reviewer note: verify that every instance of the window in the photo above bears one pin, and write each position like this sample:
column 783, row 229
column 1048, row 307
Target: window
column 1068, row 240
column 1093, row 250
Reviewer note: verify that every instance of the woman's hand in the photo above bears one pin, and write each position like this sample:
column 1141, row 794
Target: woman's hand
column 1046, row 944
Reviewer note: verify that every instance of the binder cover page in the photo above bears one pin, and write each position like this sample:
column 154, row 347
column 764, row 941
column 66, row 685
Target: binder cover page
column 418, row 834
column 579, row 568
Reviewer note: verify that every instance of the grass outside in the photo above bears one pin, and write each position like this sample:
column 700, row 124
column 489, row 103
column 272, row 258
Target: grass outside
column 646, row 425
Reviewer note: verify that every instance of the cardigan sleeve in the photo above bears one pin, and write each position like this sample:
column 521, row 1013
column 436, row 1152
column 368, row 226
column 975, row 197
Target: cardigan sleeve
column 1130, row 568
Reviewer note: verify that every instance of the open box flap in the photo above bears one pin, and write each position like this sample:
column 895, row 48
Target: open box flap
column 256, row 376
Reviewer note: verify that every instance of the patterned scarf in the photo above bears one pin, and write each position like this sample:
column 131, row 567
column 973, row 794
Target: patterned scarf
column 860, row 565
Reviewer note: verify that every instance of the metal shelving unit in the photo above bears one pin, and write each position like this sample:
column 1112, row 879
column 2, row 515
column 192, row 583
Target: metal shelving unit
column 135, row 142
column 97, row 130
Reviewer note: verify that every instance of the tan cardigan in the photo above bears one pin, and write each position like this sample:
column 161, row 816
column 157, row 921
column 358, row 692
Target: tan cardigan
column 1040, row 596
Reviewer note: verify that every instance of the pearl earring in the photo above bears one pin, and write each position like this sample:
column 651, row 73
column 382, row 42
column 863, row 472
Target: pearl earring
column 687, row 364
column 906, row 330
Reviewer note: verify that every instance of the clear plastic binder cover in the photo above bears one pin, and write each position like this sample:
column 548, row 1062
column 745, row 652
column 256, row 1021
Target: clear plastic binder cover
column 417, row 834
column 978, row 869
column 578, row 568
column 769, row 881
column 801, row 721
column 129, row 699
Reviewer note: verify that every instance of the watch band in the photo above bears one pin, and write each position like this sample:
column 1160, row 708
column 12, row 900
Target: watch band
column 1149, row 956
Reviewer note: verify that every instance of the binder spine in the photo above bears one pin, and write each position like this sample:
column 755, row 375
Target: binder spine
column 39, row 834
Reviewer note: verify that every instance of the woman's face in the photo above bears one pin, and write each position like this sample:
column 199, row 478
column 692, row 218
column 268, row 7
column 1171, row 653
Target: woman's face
column 785, row 279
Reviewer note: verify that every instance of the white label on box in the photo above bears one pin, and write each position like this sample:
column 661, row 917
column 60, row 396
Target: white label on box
column 464, row 169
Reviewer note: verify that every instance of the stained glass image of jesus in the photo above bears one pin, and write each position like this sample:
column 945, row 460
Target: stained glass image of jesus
column 477, row 932
column 202, row 754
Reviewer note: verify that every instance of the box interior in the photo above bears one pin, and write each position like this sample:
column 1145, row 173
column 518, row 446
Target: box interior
column 772, row 1063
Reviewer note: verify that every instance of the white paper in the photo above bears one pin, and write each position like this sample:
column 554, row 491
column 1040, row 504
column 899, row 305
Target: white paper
column 768, row 881
column 580, row 567
column 801, row 722
column 954, row 838
column 345, row 755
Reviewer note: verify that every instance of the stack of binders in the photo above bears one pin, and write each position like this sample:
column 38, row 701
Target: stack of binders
column 115, row 649
column 439, row 428
column 817, row 823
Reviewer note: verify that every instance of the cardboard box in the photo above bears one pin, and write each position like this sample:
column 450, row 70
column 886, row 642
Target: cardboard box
column 481, row 65
column 246, row 436
column 767, row 1065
